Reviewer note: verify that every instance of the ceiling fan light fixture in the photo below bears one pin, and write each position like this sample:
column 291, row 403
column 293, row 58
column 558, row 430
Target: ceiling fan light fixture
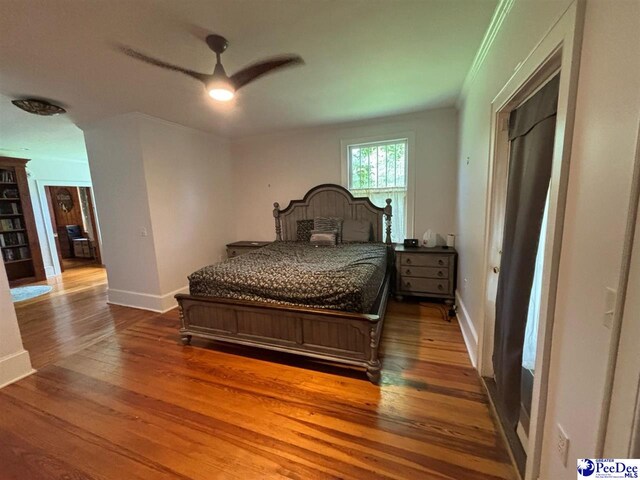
column 220, row 88
column 222, row 94
column 218, row 85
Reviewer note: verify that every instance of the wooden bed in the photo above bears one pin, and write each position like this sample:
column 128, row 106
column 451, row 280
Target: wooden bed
column 343, row 337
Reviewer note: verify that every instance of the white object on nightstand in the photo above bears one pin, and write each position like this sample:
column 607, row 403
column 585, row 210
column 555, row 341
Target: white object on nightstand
column 429, row 239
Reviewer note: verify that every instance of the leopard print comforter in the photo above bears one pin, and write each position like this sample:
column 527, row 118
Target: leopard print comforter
column 345, row 277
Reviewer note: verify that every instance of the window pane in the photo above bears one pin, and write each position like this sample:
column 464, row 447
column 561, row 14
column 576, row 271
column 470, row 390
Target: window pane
column 378, row 171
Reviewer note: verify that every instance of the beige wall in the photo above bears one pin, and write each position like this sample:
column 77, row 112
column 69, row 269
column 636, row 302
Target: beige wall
column 14, row 359
column 607, row 115
column 284, row 166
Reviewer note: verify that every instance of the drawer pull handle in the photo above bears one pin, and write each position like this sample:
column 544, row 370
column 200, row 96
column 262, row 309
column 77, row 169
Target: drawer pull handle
column 408, row 260
column 408, row 284
column 439, row 273
column 408, row 271
column 440, row 287
column 440, row 262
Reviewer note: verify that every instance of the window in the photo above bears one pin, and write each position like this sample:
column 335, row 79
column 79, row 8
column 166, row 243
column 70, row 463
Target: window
column 380, row 170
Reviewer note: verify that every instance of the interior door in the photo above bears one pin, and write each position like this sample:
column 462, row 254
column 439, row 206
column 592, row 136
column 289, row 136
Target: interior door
column 54, row 225
column 496, row 234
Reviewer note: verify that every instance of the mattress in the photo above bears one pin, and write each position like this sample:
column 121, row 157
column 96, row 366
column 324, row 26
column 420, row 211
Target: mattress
column 345, row 277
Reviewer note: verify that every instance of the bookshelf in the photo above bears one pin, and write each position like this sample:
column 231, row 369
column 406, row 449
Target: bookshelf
column 19, row 246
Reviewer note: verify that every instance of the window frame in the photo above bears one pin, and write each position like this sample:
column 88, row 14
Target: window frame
column 409, row 137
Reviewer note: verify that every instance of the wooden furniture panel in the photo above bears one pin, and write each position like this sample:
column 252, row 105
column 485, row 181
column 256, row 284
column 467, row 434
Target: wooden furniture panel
column 70, row 214
column 419, row 259
column 343, row 337
column 427, row 272
column 238, row 248
column 330, row 200
column 82, row 248
column 350, row 338
column 18, row 235
column 426, row 285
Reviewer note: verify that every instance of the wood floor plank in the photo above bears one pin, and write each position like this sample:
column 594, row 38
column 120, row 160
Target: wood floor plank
column 116, row 392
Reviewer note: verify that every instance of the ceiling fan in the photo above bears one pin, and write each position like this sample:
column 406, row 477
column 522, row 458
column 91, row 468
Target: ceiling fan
column 219, row 85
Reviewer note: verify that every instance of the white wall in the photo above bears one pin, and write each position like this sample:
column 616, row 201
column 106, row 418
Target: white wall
column 627, row 374
column 524, row 27
column 48, row 171
column 607, row 116
column 115, row 159
column 283, row 167
column 608, row 110
column 162, row 196
column 188, row 177
column 14, row 359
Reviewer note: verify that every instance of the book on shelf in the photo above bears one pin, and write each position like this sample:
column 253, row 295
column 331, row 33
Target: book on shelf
column 12, row 238
column 9, row 255
column 11, row 224
column 23, row 252
column 7, row 176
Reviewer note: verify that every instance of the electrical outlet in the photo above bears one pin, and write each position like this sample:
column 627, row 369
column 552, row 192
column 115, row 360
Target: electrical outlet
column 563, row 445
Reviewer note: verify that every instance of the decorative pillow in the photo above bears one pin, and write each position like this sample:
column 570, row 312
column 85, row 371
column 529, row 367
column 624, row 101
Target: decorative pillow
column 303, row 232
column 322, row 238
column 356, row 230
column 329, row 224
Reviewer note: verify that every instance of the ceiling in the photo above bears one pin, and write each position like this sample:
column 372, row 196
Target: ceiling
column 364, row 59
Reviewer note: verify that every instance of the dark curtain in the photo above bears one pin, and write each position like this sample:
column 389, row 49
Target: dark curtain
column 531, row 132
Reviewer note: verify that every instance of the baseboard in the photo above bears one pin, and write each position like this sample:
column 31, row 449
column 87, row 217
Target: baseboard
column 145, row 301
column 15, row 367
column 468, row 330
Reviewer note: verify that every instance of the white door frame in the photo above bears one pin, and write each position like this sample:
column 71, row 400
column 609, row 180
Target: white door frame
column 46, row 217
column 558, row 50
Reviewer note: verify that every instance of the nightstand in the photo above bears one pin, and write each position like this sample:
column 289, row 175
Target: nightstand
column 238, row 248
column 425, row 272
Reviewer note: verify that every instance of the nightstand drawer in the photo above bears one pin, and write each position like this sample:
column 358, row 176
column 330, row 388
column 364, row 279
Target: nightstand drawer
column 421, row 260
column 424, row 285
column 424, row 272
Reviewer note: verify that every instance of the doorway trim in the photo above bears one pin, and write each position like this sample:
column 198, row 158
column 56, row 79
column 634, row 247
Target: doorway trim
column 558, row 51
column 51, row 241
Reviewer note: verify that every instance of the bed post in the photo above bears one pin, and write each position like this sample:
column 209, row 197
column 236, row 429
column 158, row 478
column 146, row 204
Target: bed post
column 374, row 365
column 276, row 215
column 387, row 221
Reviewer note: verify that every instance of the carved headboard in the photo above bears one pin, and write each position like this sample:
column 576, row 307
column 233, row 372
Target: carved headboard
column 331, row 200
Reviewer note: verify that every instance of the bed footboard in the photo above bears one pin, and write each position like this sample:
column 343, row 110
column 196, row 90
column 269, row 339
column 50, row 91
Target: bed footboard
column 343, row 337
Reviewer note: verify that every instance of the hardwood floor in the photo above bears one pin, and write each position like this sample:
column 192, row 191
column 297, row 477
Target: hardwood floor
column 136, row 404
column 73, row 316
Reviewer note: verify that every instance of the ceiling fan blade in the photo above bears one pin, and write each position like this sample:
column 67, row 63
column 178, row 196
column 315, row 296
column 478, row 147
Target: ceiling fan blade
column 159, row 63
column 258, row 69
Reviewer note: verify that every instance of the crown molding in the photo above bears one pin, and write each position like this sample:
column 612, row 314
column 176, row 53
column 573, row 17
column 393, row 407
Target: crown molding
column 499, row 16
